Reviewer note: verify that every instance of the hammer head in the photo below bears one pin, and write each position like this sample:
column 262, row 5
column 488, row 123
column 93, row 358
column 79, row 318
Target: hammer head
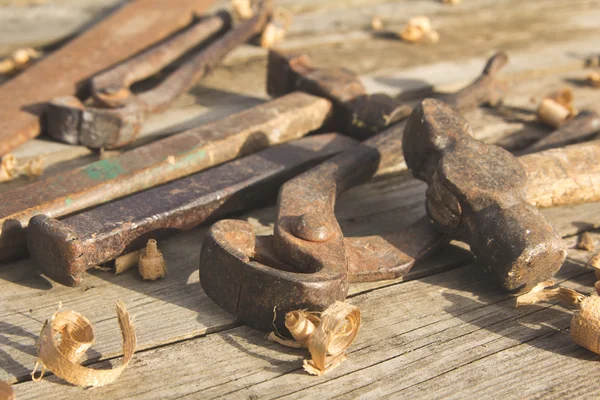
column 356, row 113
column 57, row 250
column 476, row 193
column 70, row 121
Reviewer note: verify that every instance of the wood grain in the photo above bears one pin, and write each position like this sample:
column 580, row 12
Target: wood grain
column 443, row 331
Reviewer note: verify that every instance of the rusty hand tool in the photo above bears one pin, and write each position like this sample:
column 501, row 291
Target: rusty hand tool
column 359, row 114
column 63, row 250
column 485, row 196
column 96, row 127
column 584, row 125
column 274, row 122
column 307, row 263
column 128, row 30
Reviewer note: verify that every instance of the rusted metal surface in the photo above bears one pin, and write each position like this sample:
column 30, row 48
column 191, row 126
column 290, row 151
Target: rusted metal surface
column 274, row 122
column 357, row 113
column 63, row 250
column 307, row 262
column 112, row 88
column 580, row 128
column 97, row 126
column 477, row 193
column 130, row 29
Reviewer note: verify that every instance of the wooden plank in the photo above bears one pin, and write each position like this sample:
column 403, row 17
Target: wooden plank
column 412, row 333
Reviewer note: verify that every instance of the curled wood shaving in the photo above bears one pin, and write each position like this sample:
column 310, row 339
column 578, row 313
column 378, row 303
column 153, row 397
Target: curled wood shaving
column 126, row 261
column 151, row 263
column 585, row 242
column 376, row 23
column 276, row 29
column 594, row 263
column 10, row 168
column 34, row 167
column 18, row 60
column 418, row 30
column 67, row 336
column 593, row 79
column 301, row 324
column 556, row 108
column 585, row 325
column 242, row 9
column 327, row 336
column 545, row 291
column 6, row 391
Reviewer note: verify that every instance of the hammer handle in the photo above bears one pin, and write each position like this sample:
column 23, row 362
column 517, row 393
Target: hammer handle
column 563, row 176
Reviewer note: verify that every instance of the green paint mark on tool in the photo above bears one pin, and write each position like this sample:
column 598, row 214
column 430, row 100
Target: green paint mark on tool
column 68, row 201
column 104, row 170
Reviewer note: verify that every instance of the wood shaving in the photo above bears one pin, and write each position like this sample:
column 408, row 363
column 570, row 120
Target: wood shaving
column 585, row 242
column 301, row 324
column 242, row 9
column 418, row 30
column 34, row 167
column 376, row 23
column 276, row 29
column 126, row 261
column 593, row 79
column 556, row 108
column 594, row 263
column 585, row 325
column 10, row 168
column 67, row 336
column 326, row 335
column 6, row 391
column 18, row 60
column 546, row 291
column 151, row 263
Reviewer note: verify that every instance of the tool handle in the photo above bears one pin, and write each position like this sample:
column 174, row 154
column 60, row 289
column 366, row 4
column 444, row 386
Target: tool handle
column 486, row 89
column 563, row 176
column 111, row 88
column 585, row 124
column 195, row 69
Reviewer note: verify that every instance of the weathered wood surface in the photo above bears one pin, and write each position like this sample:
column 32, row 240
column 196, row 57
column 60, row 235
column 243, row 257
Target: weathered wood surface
column 443, row 332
